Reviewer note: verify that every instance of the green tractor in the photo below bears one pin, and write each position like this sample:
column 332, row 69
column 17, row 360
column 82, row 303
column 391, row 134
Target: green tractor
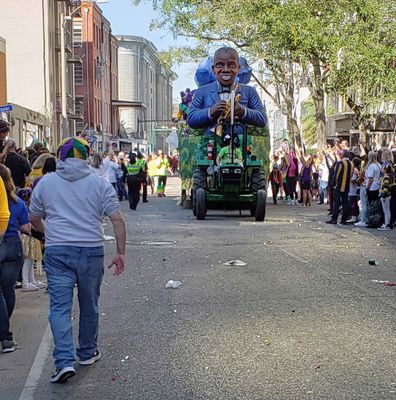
column 236, row 183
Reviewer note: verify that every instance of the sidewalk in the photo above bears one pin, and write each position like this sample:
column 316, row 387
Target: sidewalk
column 28, row 324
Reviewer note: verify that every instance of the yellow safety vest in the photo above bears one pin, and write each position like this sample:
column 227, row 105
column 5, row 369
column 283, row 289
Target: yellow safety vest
column 133, row 169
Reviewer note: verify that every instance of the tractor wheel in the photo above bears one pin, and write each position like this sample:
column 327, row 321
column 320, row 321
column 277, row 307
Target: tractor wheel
column 257, row 180
column 193, row 202
column 261, row 202
column 199, row 182
column 200, row 204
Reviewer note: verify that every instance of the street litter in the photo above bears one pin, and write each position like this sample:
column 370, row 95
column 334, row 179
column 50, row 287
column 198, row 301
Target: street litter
column 267, row 342
column 238, row 263
column 385, row 283
column 173, row 284
column 373, row 262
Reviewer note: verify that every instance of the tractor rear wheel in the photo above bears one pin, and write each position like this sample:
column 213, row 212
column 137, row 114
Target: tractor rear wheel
column 193, row 201
column 257, row 181
column 200, row 204
column 261, row 202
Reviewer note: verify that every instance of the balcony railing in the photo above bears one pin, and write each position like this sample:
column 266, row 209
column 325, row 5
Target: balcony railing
column 68, row 40
column 69, row 103
column 78, row 110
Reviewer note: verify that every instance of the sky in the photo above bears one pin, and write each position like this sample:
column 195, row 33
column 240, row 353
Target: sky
column 128, row 19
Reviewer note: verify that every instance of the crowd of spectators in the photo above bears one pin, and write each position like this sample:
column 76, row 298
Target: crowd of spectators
column 355, row 182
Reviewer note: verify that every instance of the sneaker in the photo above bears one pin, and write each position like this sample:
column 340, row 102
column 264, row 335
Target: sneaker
column 29, row 287
column 384, row 228
column 18, row 285
column 8, row 346
column 40, row 285
column 360, row 224
column 63, row 375
column 96, row 357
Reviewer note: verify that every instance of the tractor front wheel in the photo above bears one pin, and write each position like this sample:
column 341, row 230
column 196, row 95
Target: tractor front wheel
column 200, row 204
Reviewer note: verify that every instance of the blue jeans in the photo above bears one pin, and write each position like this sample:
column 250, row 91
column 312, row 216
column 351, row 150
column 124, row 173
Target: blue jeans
column 10, row 265
column 323, row 190
column 65, row 267
column 122, row 193
column 363, row 204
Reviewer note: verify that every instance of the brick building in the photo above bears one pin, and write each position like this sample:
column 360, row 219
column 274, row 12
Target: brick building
column 96, row 77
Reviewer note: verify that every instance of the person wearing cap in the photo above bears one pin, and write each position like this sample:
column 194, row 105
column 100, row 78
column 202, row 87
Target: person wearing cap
column 141, row 160
column 133, row 181
column 4, row 131
column 276, row 179
column 18, row 165
column 74, row 252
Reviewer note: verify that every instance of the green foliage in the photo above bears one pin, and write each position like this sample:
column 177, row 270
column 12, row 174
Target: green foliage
column 342, row 46
column 308, row 122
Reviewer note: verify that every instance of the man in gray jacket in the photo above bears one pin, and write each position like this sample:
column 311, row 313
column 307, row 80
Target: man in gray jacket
column 73, row 201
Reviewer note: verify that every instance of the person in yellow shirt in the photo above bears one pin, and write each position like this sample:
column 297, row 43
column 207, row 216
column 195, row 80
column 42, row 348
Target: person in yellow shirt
column 152, row 173
column 4, row 213
column 163, row 165
column 37, row 168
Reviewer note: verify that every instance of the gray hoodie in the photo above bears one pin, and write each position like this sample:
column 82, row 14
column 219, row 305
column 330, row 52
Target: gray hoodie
column 72, row 202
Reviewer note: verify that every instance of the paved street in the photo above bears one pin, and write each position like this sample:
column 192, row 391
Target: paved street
column 302, row 320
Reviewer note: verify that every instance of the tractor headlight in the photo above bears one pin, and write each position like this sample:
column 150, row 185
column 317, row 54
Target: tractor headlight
column 226, row 171
column 237, row 171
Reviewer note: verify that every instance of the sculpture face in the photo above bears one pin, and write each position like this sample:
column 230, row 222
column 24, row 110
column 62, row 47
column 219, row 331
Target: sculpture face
column 226, row 67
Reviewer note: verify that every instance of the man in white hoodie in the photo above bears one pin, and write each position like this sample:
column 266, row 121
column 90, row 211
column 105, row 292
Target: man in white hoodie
column 73, row 201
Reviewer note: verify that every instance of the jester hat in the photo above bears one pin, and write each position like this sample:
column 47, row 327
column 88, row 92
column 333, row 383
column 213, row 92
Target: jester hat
column 73, row 148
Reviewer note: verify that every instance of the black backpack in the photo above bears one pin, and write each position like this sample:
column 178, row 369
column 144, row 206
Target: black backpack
column 375, row 214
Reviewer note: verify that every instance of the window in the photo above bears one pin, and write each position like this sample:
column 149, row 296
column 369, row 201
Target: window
column 78, row 74
column 77, row 33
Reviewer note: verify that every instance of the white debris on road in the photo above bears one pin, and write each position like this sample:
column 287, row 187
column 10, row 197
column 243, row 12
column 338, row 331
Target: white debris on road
column 173, row 284
column 238, row 263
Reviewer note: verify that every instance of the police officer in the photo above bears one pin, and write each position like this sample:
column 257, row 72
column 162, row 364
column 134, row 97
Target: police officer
column 133, row 181
column 143, row 175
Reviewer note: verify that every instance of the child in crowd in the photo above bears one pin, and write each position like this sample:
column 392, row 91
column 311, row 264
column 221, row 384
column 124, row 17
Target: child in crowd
column 387, row 182
column 32, row 252
column 276, row 180
column 353, row 190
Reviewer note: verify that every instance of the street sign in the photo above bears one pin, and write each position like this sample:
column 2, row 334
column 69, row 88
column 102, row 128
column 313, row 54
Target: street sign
column 6, row 108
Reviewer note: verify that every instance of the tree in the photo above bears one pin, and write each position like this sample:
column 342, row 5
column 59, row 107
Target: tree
column 299, row 42
column 364, row 72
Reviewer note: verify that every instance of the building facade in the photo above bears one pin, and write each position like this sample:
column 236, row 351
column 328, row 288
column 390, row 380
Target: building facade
column 96, row 78
column 145, row 90
column 343, row 124
column 40, row 71
column 3, row 72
